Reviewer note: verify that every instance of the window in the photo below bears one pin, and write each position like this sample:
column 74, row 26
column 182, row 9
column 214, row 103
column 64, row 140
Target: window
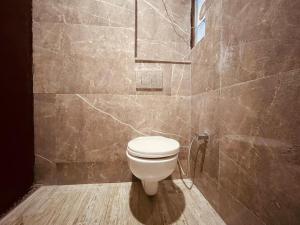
column 199, row 23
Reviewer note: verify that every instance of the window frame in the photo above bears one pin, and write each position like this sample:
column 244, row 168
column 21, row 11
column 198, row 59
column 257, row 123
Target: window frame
column 194, row 19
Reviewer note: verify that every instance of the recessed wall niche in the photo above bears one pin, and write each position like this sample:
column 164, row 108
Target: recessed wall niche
column 162, row 31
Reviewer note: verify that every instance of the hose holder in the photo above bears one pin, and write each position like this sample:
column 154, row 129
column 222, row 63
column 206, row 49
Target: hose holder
column 203, row 136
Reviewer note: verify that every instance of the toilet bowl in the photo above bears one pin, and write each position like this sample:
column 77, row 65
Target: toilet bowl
column 152, row 159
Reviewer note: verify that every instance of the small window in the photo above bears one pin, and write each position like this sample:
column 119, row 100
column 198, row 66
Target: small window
column 200, row 31
column 199, row 23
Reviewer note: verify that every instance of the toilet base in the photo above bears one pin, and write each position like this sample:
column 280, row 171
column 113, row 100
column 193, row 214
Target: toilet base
column 150, row 187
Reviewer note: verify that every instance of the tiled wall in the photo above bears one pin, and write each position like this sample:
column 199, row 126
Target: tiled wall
column 245, row 93
column 156, row 38
column 86, row 104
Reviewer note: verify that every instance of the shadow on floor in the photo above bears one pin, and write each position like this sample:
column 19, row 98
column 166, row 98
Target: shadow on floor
column 165, row 207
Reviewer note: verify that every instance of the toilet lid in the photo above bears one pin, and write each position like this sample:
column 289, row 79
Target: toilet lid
column 153, row 147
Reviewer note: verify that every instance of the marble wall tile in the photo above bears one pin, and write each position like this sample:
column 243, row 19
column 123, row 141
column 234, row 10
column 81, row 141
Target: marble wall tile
column 92, row 132
column 89, row 12
column 149, row 9
column 228, row 207
column 247, row 21
column 204, row 102
column 44, row 171
column 93, row 172
column 258, row 155
column 82, row 59
column 206, row 54
column 234, row 212
column 123, row 117
column 163, row 35
column 256, row 59
column 165, row 51
column 181, row 80
column 260, row 38
column 99, row 172
column 45, row 137
column 83, row 55
column 260, row 137
column 204, row 119
column 254, row 73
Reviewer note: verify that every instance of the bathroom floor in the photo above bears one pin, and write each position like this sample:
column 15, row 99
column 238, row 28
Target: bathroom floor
column 118, row 203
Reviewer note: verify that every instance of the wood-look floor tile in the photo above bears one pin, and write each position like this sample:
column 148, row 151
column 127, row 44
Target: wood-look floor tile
column 117, row 203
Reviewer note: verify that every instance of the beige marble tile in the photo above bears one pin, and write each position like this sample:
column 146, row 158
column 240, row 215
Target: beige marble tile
column 91, row 12
column 162, row 35
column 245, row 89
column 83, row 48
column 260, row 144
column 85, row 117
column 90, row 132
column 205, row 54
column 82, row 59
column 181, row 80
column 45, row 137
column 162, row 50
column 264, row 45
column 205, row 119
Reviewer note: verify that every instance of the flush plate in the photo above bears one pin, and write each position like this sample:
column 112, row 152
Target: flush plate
column 149, row 80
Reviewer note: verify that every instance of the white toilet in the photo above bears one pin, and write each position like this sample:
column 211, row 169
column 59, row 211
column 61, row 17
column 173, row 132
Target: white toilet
column 152, row 159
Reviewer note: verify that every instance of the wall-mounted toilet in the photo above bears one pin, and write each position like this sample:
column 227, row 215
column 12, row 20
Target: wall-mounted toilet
column 152, row 159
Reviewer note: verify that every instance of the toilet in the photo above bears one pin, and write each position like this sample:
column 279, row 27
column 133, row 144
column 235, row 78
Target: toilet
column 152, row 159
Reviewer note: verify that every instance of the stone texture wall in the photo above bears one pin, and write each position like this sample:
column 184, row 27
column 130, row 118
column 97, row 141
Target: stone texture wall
column 159, row 39
column 245, row 93
column 86, row 104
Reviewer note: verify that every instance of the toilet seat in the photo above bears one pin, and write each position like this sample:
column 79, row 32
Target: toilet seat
column 153, row 147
